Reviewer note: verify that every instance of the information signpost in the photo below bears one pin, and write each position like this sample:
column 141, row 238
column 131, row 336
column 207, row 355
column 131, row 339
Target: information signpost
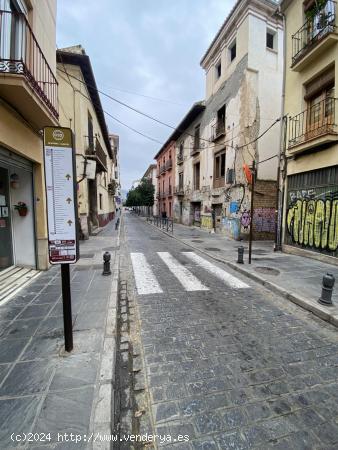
column 60, row 177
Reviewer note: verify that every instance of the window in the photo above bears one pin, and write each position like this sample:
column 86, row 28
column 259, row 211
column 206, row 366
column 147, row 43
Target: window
column 220, row 125
column 219, row 169
column 180, row 181
column 218, row 70
column 100, row 201
column 197, row 137
column 197, row 176
column 270, row 39
column 181, row 152
column 232, row 51
column 90, row 132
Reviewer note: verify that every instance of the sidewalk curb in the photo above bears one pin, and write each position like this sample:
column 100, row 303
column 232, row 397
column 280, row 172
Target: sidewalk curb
column 317, row 309
column 103, row 406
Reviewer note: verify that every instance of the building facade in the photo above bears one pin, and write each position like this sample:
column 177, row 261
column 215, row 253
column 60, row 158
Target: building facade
column 244, row 77
column 310, row 222
column 81, row 110
column 115, row 182
column 151, row 175
column 28, row 102
column 166, row 166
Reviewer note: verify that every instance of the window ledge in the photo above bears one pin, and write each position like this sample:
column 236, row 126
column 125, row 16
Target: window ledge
column 272, row 50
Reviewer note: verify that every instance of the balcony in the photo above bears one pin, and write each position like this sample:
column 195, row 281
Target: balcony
column 317, row 34
column 195, row 147
column 94, row 150
column 169, row 164
column 26, row 82
column 179, row 191
column 313, row 127
column 162, row 169
column 217, row 131
column 180, row 158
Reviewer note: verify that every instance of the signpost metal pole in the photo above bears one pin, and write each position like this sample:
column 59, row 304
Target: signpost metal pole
column 62, row 218
column 67, row 307
column 253, row 171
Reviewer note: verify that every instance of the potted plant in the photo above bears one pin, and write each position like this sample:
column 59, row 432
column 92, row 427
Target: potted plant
column 22, row 208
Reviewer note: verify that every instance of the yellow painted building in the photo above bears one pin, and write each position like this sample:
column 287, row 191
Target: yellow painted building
column 28, row 102
column 311, row 104
column 81, row 110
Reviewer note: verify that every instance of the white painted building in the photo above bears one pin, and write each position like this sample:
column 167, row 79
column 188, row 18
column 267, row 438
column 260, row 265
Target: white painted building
column 244, row 72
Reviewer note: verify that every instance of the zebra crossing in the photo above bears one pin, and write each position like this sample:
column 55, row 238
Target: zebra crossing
column 147, row 283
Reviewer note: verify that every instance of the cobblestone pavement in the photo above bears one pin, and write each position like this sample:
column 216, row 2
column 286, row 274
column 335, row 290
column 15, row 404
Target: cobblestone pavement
column 43, row 389
column 232, row 368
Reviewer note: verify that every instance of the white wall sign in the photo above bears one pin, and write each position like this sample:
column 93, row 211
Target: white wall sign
column 61, row 195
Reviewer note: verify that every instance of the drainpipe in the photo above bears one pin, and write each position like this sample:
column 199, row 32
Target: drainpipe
column 281, row 153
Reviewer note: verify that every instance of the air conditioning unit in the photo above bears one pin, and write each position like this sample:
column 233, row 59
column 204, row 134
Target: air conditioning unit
column 230, row 178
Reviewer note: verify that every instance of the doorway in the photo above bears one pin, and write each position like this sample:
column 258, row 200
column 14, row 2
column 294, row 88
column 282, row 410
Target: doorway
column 6, row 243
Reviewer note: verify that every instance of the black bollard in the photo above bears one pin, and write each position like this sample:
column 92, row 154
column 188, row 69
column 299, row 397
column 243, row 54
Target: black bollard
column 240, row 259
column 327, row 290
column 117, row 223
column 106, row 264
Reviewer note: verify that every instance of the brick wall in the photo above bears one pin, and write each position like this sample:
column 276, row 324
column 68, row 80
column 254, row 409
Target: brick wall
column 264, row 218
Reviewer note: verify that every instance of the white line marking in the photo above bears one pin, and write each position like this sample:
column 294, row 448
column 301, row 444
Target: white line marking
column 145, row 279
column 230, row 280
column 184, row 276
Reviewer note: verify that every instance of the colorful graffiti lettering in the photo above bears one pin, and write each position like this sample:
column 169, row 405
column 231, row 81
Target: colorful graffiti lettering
column 264, row 220
column 314, row 223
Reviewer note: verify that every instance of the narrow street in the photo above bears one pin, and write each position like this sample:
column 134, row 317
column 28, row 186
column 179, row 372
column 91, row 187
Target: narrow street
column 228, row 364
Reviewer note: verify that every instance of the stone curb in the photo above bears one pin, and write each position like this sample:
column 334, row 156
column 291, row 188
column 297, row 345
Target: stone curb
column 103, row 406
column 317, row 309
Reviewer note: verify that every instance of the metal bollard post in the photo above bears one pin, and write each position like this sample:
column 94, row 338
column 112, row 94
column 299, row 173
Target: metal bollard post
column 327, row 290
column 117, row 223
column 240, row 259
column 106, row 264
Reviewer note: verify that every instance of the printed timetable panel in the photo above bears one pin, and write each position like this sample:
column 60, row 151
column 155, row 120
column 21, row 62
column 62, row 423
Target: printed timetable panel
column 61, row 197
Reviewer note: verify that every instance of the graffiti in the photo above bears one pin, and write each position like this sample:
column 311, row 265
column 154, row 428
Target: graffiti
column 206, row 222
column 264, row 220
column 231, row 227
column 314, row 223
column 245, row 219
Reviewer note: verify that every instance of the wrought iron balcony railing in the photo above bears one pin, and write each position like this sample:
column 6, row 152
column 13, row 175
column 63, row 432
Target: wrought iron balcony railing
column 316, row 121
column 217, row 131
column 195, row 147
column 321, row 23
column 95, row 149
column 179, row 158
column 162, row 169
column 21, row 54
column 169, row 164
column 179, row 191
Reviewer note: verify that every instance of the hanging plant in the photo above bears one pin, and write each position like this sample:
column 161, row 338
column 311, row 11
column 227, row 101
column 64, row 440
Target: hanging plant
column 22, row 209
column 314, row 11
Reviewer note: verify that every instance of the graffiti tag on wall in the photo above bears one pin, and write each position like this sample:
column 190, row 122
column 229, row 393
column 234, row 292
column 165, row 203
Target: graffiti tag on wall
column 206, row 222
column 264, row 220
column 314, row 223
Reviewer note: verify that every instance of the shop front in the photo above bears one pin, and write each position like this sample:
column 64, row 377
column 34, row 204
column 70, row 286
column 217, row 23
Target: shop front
column 17, row 225
column 312, row 211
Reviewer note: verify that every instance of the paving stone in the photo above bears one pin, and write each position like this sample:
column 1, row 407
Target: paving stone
column 209, row 423
column 204, row 444
column 165, row 412
column 231, row 441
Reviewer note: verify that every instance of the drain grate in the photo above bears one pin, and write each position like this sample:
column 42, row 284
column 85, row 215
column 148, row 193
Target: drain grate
column 212, row 249
column 87, row 255
column 156, row 239
column 259, row 252
column 267, row 270
column 197, row 241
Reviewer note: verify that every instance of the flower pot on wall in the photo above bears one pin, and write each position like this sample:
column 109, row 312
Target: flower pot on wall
column 23, row 212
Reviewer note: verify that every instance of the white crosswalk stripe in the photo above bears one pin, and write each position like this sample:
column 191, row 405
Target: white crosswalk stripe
column 230, row 280
column 184, row 276
column 146, row 282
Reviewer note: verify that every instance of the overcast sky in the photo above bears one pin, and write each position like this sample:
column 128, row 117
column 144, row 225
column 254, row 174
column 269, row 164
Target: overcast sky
column 147, row 47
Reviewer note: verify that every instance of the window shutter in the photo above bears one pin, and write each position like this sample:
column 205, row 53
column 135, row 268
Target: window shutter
column 319, row 84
